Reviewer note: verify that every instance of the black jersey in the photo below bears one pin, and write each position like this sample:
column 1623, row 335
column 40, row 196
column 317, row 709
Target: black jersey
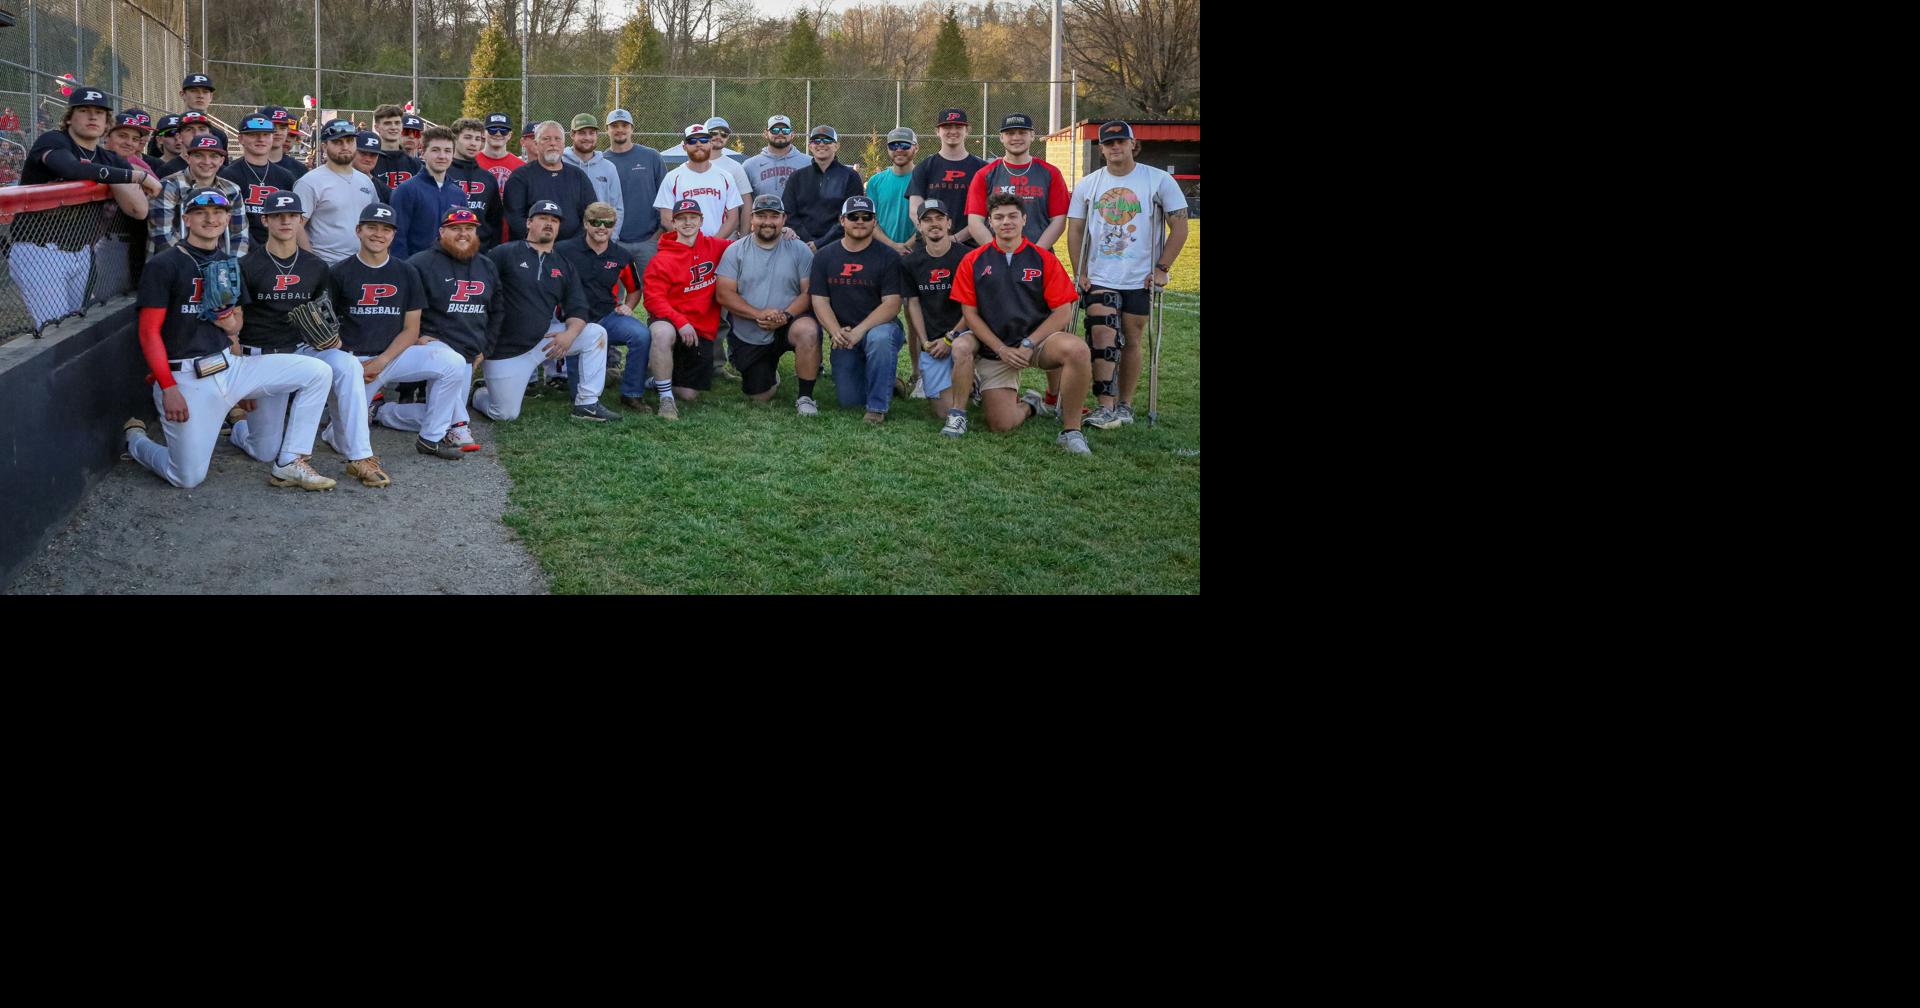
column 532, row 285
column 483, row 198
column 57, row 157
column 373, row 302
column 930, row 280
column 459, row 295
column 395, row 167
column 600, row 273
column 292, row 166
column 1013, row 293
column 278, row 286
column 172, row 281
column 940, row 179
column 256, row 184
column 854, row 283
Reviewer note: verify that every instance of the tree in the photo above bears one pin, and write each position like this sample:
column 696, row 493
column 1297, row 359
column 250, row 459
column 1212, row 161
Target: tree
column 803, row 56
column 1143, row 55
column 950, row 60
column 493, row 56
column 637, row 53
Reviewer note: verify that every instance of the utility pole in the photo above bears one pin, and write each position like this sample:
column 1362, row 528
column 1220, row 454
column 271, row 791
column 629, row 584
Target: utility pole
column 524, row 68
column 318, row 102
column 415, row 101
column 1053, row 73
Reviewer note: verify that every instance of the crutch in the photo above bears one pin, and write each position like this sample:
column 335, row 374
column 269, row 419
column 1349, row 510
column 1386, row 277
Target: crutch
column 1156, row 322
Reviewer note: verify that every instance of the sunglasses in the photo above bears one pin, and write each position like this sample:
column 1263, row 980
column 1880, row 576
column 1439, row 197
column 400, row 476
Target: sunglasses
column 781, row 131
column 601, row 223
column 900, row 145
column 208, row 200
column 823, row 141
column 720, row 134
column 698, row 139
column 502, row 132
column 860, row 216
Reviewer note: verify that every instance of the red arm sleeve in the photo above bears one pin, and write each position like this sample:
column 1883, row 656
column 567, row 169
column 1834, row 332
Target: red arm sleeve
column 657, row 294
column 962, row 291
column 1059, row 289
column 152, row 348
column 977, row 190
column 1059, row 197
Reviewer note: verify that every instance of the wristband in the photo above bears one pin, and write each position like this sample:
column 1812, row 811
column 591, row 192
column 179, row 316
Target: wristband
column 1162, row 267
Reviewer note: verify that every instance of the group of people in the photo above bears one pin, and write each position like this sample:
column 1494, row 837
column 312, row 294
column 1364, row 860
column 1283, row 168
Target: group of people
column 444, row 258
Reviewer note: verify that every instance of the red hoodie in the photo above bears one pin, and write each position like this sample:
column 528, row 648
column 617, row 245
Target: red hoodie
column 681, row 280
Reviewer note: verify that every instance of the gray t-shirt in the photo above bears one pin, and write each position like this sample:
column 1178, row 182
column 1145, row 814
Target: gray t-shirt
column 768, row 278
column 333, row 202
column 640, row 174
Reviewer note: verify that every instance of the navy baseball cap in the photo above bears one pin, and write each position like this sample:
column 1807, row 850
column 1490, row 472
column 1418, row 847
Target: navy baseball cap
column 933, row 206
column 337, row 128
column 855, row 204
column 529, row 131
column 949, row 117
column 366, row 140
column 687, row 206
column 497, row 122
column 413, row 123
column 191, row 118
column 197, row 80
column 548, row 207
column 377, row 213
column 257, row 124
column 1016, row 120
column 459, row 215
column 168, row 125
column 134, row 118
column 1115, row 130
column 768, row 202
column 86, row 97
column 275, row 114
column 283, row 202
column 208, row 142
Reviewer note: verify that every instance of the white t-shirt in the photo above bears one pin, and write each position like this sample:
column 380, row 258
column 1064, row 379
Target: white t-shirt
column 333, row 203
column 713, row 189
column 1122, row 243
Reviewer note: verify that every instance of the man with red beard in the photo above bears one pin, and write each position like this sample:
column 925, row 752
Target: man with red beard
column 456, row 329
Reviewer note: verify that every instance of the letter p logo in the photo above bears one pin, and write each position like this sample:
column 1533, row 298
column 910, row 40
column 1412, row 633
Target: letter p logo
column 847, row 270
column 465, row 289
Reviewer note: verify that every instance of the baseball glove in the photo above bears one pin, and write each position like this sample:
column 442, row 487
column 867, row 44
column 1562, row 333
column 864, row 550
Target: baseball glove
column 220, row 287
column 316, row 323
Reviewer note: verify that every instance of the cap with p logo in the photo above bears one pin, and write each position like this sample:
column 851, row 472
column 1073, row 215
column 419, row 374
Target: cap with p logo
column 284, row 202
column 548, row 207
column 377, row 213
column 208, row 142
column 89, row 97
column 687, row 206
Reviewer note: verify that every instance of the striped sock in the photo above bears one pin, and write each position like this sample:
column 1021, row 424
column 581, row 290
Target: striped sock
column 665, row 385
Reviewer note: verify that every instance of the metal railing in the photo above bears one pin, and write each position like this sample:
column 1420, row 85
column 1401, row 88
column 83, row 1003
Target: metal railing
column 66, row 247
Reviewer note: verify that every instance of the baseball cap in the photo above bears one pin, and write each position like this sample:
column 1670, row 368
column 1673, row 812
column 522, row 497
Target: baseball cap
column 934, row 206
column 208, row 142
column 377, row 213
column 768, row 202
column 824, row 131
column 1016, row 120
column 134, row 118
column 412, row 123
column 529, row 131
column 548, row 207
column 366, row 140
column 275, row 114
column 283, row 202
column 779, row 120
column 189, row 118
column 168, row 125
column 854, row 204
column 718, row 123
column 499, row 121
column 687, row 206
column 204, row 197
column 619, row 115
column 293, row 128
column 197, row 80
column 902, row 133
column 952, row 115
column 333, row 130
column 1115, row 130
column 459, row 215
column 89, row 98
column 697, row 130
column 257, row 124
column 584, row 120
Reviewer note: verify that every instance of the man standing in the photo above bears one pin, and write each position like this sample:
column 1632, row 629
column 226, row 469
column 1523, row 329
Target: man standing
column 279, row 278
column 767, row 171
column 196, row 95
column 946, row 175
column 1117, row 202
column 942, row 349
column 256, row 174
column 529, row 153
column 585, row 155
column 1037, row 183
column 640, row 172
column 197, row 377
column 411, row 127
column 1017, row 301
column 718, row 135
column 52, row 274
column 479, row 184
column 396, row 166
column 698, row 180
column 604, row 265
column 888, row 191
column 122, row 249
column 815, row 193
column 763, row 282
column 534, row 281
column 455, row 331
column 550, row 179
column 496, row 159
column 333, row 195
column 685, row 318
column 422, row 202
column 282, row 153
column 204, row 159
column 366, row 158
column 856, row 289
column 193, row 126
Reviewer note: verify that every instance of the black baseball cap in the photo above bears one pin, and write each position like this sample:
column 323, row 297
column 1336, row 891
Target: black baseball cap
column 949, row 117
column 530, row 129
column 412, row 122
column 366, row 140
column 257, row 124
column 135, row 119
column 499, row 121
column 1115, row 130
column 378, row 213
column 768, row 202
column 208, row 142
column 687, row 206
column 337, row 128
column 86, row 97
column 276, row 114
column 855, row 204
column 283, row 202
column 197, row 80
column 1016, row 120
column 548, row 207
column 934, row 206
column 168, row 125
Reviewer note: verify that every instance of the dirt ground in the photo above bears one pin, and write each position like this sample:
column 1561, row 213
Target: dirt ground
column 436, row 530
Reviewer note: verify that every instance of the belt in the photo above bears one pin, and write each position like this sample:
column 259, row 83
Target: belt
column 254, row 351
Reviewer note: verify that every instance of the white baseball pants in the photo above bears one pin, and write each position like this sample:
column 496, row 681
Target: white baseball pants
column 449, row 376
column 507, row 379
column 259, row 435
column 183, row 460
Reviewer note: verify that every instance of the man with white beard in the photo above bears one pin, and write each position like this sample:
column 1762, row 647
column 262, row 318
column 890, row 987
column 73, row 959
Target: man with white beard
column 549, row 178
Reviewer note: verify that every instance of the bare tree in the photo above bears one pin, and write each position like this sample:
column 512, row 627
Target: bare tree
column 1145, row 53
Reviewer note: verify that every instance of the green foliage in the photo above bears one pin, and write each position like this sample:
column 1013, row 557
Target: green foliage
column 874, row 158
column 950, row 59
column 804, row 56
column 493, row 56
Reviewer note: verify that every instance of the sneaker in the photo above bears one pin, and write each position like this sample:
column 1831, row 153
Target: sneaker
column 1040, row 407
column 326, row 437
column 594, row 412
column 533, row 389
column 1104, row 418
column 956, row 425
column 478, row 384
column 368, row 472
column 919, row 389
column 636, row 404
column 558, row 383
column 462, row 434
column 903, row 389
column 1074, row 442
column 1124, row 412
column 299, row 473
column 373, row 411
column 127, row 431
column 805, row 406
column 445, row 448
column 728, row 372
column 668, row 409
column 875, row 419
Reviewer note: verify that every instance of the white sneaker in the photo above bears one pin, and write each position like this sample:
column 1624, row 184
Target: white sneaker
column 919, row 389
column 956, row 425
column 299, row 473
column 1074, row 442
column 805, row 406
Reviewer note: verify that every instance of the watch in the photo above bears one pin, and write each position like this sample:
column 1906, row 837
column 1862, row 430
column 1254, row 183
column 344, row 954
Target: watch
column 1162, row 267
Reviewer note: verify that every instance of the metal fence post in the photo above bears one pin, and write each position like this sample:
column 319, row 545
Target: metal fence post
column 113, row 44
column 525, row 70
column 415, row 100
column 318, row 103
column 713, row 96
column 32, row 86
column 809, row 107
column 1073, row 124
column 79, row 62
column 983, row 119
column 896, row 104
column 203, row 34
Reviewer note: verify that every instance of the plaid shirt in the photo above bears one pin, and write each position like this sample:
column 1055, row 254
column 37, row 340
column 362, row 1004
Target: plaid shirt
column 163, row 214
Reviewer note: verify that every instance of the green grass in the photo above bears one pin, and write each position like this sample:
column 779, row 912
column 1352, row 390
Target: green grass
column 742, row 498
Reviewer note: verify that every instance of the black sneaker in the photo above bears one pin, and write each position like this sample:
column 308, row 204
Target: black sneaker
column 595, row 412
column 446, row 449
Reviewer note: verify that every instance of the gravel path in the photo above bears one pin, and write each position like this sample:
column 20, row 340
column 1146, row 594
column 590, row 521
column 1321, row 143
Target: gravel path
column 436, row 530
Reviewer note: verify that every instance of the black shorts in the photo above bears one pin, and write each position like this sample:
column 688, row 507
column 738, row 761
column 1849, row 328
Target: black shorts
column 693, row 365
column 1132, row 302
column 759, row 364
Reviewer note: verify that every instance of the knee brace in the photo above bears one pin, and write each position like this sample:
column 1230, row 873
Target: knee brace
column 1111, row 319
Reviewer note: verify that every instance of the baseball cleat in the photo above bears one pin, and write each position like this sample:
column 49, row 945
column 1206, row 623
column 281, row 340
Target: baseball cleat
column 299, row 473
column 126, row 431
column 1074, row 442
column 462, row 435
column 636, row 404
column 368, row 472
column 594, row 412
column 477, row 386
column 444, row 448
column 234, row 415
column 805, row 406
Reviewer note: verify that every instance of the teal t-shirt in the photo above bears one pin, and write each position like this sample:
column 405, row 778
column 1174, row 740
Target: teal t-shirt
column 889, row 194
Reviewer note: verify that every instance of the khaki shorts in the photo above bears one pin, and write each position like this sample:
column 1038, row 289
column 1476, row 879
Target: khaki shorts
column 993, row 374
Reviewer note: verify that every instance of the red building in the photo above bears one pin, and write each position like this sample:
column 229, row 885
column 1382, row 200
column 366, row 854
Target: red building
column 1172, row 145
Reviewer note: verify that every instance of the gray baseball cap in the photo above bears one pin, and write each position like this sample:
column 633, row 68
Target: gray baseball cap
column 779, row 120
column 902, row 133
column 619, row 115
column 722, row 123
column 768, row 202
column 825, row 131
column 934, row 206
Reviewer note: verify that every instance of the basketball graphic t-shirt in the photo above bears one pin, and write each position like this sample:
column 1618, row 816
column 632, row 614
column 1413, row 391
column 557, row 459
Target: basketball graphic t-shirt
column 1121, row 223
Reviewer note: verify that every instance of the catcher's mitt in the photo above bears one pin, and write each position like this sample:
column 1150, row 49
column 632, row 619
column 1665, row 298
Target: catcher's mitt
column 316, row 323
column 220, row 287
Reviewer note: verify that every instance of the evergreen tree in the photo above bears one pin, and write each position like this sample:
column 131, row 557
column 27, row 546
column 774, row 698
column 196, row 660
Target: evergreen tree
column 950, row 60
column 802, row 57
column 493, row 56
column 637, row 53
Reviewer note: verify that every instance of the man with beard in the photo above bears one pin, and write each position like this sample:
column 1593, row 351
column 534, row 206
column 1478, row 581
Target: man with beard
column 281, row 277
column 282, row 152
column 946, row 175
column 396, row 165
column 856, row 289
column 455, row 331
column 256, row 174
column 534, row 281
column 603, row 266
column 548, row 180
column 816, row 192
column 763, row 283
column 366, row 157
column 888, row 191
column 122, row 250
column 640, row 171
column 333, row 195
column 585, row 155
column 422, row 202
column 679, row 288
column 202, row 172
column 481, row 188
column 942, row 349
column 718, row 133
column 1038, row 184
column 700, row 181
column 767, row 171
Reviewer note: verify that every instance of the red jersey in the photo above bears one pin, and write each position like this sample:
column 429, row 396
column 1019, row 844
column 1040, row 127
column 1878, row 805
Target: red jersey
column 1013, row 294
column 680, row 283
column 499, row 168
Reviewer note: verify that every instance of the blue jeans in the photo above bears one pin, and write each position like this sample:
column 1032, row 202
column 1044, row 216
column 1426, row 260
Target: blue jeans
column 868, row 370
column 632, row 333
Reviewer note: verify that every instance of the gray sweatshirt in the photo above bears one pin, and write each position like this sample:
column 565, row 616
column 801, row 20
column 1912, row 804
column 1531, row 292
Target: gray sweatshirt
column 605, row 176
column 768, row 174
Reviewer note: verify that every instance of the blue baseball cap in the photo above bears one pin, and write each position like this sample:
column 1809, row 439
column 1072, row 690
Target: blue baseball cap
column 283, row 202
column 257, row 124
column 366, row 140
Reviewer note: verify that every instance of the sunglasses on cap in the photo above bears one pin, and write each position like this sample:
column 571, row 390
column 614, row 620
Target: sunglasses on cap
column 859, row 215
column 600, row 223
column 209, row 199
column 781, row 131
column 722, row 134
column 899, row 145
